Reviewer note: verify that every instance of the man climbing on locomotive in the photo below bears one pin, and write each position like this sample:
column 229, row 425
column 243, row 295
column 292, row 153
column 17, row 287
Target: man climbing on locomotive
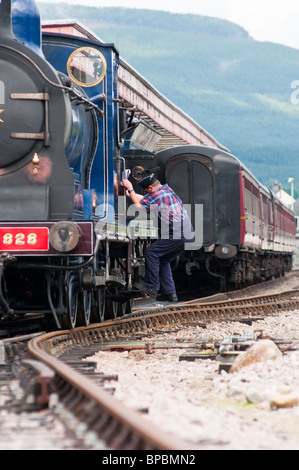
column 174, row 229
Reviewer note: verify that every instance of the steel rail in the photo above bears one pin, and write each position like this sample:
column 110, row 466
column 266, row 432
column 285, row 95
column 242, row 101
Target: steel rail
column 121, row 427
column 197, row 306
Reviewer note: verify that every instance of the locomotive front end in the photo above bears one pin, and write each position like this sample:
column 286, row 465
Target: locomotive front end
column 38, row 233
column 33, row 112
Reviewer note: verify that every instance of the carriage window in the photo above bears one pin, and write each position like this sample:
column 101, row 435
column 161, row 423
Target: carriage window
column 87, row 66
column 248, row 201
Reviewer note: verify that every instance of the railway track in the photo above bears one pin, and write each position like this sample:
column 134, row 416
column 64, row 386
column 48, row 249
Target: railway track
column 56, row 372
column 54, row 358
column 244, row 309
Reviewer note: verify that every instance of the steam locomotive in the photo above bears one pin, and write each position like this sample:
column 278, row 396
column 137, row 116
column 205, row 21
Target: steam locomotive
column 61, row 166
column 67, row 244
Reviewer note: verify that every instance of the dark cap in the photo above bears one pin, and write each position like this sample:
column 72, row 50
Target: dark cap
column 147, row 181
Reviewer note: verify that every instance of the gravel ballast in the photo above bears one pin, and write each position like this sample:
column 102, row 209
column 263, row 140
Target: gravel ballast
column 255, row 408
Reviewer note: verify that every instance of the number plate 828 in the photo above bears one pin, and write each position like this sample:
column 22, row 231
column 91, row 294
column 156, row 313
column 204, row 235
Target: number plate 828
column 24, row 239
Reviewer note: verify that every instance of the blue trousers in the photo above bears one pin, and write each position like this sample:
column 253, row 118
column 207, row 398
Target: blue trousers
column 158, row 274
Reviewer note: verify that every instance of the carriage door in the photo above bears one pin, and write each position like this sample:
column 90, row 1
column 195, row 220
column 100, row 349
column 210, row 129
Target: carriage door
column 192, row 180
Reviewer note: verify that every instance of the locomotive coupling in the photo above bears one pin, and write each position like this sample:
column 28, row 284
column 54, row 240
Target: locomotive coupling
column 5, row 310
column 6, row 258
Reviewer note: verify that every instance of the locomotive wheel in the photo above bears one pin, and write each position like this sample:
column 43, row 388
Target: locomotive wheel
column 111, row 307
column 98, row 308
column 68, row 321
column 122, row 308
column 129, row 306
column 84, row 310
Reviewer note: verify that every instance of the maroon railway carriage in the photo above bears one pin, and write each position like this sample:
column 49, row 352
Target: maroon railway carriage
column 248, row 234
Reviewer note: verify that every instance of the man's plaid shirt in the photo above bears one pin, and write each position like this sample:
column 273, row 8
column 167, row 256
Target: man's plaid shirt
column 169, row 208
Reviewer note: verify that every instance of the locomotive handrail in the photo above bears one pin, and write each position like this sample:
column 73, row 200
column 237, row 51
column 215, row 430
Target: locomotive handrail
column 35, row 97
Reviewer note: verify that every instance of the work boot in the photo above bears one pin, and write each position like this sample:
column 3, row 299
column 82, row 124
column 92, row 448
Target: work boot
column 169, row 297
column 149, row 292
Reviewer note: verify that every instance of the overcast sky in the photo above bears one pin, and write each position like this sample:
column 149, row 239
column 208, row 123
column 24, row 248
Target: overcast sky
column 265, row 20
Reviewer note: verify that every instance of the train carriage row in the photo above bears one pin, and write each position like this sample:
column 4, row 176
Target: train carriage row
column 268, row 224
column 248, row 234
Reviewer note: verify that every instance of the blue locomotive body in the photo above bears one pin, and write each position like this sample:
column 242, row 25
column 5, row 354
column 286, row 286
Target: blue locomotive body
column 92, row 149
column 90, row 134
column 26, row 24
column 61, row 168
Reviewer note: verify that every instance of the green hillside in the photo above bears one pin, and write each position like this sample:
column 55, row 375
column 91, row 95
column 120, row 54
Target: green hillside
column 237, row 88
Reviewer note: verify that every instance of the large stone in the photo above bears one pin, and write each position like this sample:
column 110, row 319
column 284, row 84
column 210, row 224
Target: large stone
column 285, row 401
column 263, row 350
column 254, row 395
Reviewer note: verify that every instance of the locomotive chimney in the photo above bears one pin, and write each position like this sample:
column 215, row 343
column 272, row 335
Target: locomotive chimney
column 5, row 19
